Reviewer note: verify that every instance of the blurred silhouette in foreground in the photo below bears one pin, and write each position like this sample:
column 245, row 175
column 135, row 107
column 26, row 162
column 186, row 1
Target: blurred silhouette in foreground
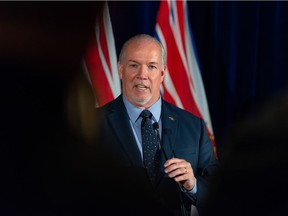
column 47, row 108
column 253, row 175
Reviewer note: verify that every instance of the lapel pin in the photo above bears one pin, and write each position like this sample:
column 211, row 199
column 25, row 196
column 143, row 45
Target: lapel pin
column 171, row 118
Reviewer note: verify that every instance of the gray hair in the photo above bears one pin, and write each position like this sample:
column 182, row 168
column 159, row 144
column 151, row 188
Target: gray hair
column 142, row 37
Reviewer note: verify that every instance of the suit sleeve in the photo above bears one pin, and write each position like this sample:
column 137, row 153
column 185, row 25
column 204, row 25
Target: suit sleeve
column 206, row 169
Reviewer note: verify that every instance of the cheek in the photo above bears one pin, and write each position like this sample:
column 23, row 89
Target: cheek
column 130, row 77
column 128, row 80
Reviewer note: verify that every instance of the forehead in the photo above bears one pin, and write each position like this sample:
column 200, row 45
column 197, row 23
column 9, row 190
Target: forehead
column 143, row 49
column 143, row 42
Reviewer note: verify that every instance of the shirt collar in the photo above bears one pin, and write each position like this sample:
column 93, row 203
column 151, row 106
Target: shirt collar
column 134, row 111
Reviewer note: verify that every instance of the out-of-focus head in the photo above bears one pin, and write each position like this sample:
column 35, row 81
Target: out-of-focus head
column 141, row 67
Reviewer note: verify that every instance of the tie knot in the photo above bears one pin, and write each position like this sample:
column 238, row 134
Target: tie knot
column 146, row 114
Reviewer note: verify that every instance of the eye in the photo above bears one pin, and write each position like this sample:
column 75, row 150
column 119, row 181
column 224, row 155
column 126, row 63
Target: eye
column 133, row 65
column 152, row 67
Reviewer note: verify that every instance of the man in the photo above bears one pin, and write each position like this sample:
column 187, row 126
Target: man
column 184, row 157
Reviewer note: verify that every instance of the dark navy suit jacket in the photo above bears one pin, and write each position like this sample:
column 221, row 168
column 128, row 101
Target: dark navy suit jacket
column 183, row 136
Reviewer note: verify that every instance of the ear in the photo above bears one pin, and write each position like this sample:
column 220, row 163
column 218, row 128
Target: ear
column 163, row 72
column 120, row 69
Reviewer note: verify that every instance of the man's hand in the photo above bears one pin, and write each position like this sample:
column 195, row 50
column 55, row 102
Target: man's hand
column 181, row 171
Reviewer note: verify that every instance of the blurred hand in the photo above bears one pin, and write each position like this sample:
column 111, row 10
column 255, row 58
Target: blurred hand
column 181, row 171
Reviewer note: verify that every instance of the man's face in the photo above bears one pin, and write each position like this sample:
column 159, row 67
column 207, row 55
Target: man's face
column 142, row 73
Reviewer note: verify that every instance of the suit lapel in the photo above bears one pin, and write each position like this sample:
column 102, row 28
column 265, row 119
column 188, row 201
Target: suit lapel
column 169, row 130
column 119, row 121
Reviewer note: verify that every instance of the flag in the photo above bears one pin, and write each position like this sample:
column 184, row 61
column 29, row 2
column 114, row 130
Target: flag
column 183, row 84
column 100, row 61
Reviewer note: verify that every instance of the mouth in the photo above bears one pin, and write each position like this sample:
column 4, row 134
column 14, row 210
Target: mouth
column 141, row 87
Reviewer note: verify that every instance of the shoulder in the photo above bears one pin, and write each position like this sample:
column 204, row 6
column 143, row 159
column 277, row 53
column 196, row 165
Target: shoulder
column 181, row 113
column 114, row 105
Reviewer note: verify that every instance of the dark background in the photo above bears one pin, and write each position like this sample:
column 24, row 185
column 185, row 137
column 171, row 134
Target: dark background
column 241, row 46
column 242, row 51
column 46, row 136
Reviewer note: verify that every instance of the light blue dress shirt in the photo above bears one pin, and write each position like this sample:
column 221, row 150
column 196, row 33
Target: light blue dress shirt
column 135, row 120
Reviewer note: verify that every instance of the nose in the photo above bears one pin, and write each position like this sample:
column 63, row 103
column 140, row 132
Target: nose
column 142, row 73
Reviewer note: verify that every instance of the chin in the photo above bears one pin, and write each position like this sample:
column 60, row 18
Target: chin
column 142, row 101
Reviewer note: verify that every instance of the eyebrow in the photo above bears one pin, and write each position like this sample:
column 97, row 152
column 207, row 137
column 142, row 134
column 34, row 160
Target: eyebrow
column 154, row 63
column 132, row 61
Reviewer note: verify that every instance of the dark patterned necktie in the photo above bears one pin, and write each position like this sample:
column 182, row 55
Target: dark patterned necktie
column 149, row 146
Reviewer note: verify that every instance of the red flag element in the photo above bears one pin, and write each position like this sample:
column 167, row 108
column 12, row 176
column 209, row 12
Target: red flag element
column 101, row 60
column 183, row 84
